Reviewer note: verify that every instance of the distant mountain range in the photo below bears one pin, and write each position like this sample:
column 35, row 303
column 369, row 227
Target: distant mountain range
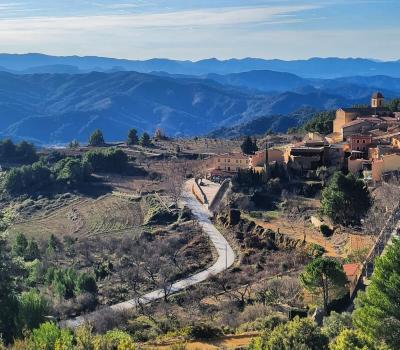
column 51, row 100
column 312, row 68
column 56, row 108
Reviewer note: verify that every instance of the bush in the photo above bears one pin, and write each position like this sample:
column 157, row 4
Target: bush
column 143, row 329
column 66, row 283
column 86, row 283
column 336, row 323
column 315, row 250
column 204, row 331
column 32, row 310
column 45, row 337
column 110, row 160
column 325, row 230
column 71, row 171
column 28, row 179
column 23, row 152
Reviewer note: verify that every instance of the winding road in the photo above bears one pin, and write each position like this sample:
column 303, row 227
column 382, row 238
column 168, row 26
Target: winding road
column 226, row 257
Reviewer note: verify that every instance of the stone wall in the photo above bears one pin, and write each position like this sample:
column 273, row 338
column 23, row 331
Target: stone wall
column 251, row 235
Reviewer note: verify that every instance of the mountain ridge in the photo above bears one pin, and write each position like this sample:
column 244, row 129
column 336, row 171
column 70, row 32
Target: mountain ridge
column 316, row 67
column 56, row 108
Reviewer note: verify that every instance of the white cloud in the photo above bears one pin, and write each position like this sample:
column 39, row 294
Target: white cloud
column 203, row 17
column 195, row 34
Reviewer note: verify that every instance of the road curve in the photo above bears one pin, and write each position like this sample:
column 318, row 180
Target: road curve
column 226, row 257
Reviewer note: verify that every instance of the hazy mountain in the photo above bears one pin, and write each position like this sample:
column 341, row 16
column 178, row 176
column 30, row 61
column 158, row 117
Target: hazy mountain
column 263, row 80
column 312, row 68
column 56, row 108
column 354, row 87
column 259, row 126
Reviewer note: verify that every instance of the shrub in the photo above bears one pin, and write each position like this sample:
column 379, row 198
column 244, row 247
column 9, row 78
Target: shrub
column 23, row 152
column 20, row 245
column 336, row 323
column 67, row 283
column 28, row 179
column 86, row 283
column 45, row 337
column 204, row 331
column 32, row 310
column 143, row 329
column 315, row 250
column 109, row 160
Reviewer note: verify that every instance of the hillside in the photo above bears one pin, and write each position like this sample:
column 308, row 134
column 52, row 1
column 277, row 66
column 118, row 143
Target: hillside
column 56, row 108
column 332, row 67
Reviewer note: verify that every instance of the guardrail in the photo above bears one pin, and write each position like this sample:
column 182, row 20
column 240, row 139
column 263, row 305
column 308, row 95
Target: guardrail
column 199, row 192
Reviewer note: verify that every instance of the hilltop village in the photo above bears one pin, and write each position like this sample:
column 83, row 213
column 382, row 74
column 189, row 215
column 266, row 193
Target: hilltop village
column 160, row 242
column 365, row 141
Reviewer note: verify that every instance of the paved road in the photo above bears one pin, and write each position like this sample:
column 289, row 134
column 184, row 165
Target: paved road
column 226, row 257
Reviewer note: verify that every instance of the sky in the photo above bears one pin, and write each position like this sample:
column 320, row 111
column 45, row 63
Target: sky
column 197, row 29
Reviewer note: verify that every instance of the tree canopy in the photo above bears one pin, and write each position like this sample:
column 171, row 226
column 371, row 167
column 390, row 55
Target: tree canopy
column 301, row 334
column 145, row 140
column 96, row 138
column 346, row 199
column 321, row 122
column 9, row 272
column 377, row 310
column 249, row 146
column 23, row 152
column 350, row 339
column 132, row 137
column 324, row 275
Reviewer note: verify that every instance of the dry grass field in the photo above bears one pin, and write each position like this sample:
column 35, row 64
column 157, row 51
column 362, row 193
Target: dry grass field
column 82, row 217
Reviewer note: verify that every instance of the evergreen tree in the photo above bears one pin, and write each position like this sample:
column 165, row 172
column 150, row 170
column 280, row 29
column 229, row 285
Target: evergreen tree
column 8, row 293
column 97, row 138
column 249, row 146
column 346, row 199
column 377, row 310
column 32, row 251
column 145, row 140
column 132, row 137
column 32, row 310
column 74, row 144
column 20, row 245
column 350, row 339
column 323, row 275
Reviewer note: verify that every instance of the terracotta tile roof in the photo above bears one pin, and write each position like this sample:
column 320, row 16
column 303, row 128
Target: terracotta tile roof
column 351, row 269
column 232, row 155
column 356, row 122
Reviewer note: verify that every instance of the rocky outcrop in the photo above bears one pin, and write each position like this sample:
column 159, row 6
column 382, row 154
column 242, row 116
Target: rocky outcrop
column 251, row 235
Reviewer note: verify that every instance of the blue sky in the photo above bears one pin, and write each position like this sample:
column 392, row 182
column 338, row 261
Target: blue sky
column 196, row 29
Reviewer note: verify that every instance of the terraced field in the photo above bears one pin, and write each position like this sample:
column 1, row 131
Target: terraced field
column 83, row 217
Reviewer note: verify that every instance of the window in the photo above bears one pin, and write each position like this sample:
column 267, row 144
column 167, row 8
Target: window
column 363, row 141
column 229, row 160
column 237, row 161
column 358, row 148
column 219, row 160
column 358, row 141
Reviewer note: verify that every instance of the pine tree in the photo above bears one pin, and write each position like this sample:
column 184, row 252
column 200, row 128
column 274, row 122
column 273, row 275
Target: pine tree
column 97, row 138
column 377, row 311
column 132, row 137
column 145, row 140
